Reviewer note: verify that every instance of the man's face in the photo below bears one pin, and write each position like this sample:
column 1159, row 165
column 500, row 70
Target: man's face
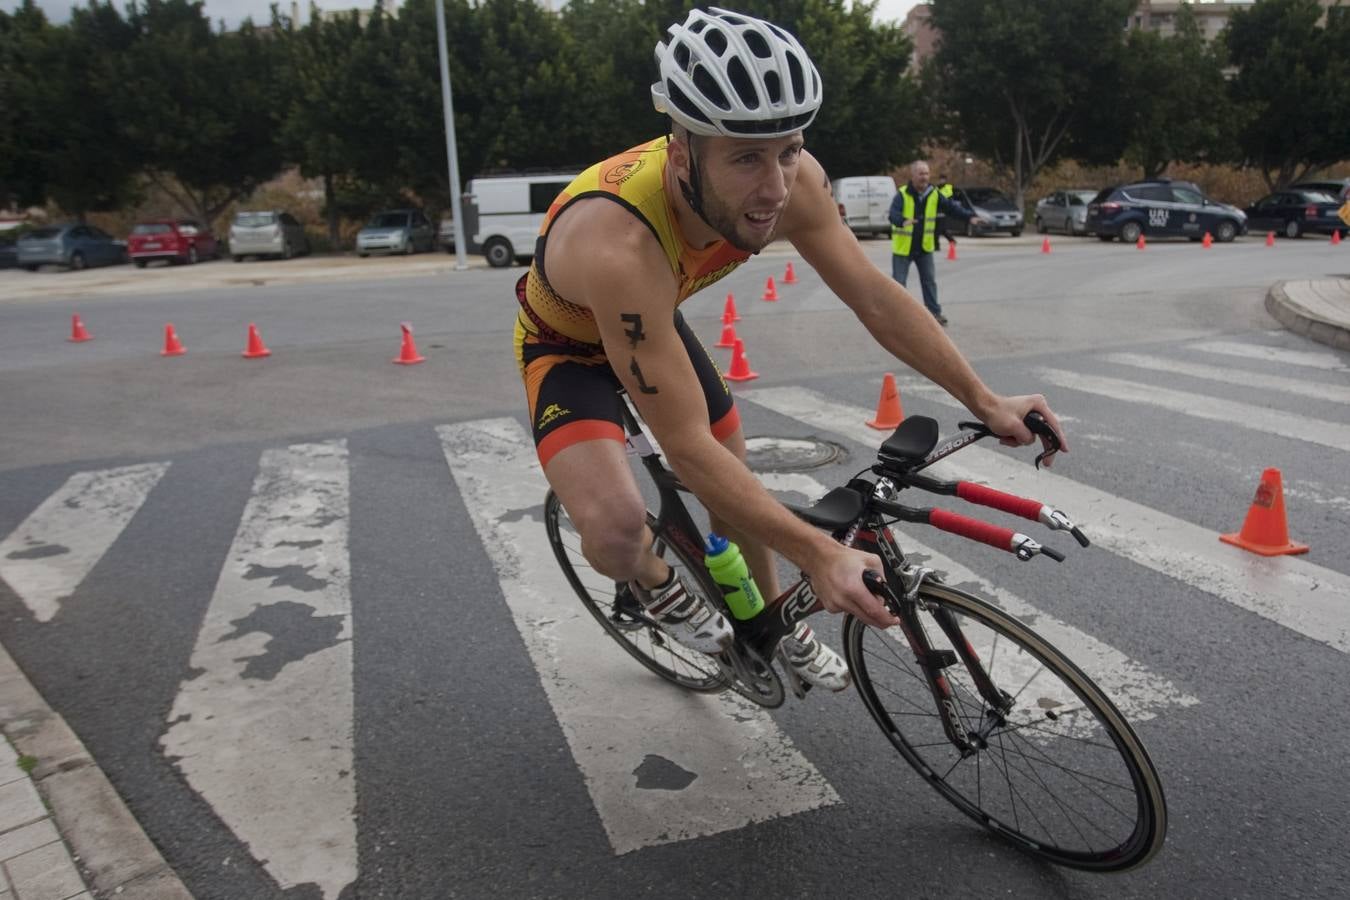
column 746, row 183
column 918, row 176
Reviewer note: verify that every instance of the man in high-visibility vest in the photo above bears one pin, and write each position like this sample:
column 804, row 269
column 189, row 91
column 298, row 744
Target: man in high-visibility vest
column 914, row 220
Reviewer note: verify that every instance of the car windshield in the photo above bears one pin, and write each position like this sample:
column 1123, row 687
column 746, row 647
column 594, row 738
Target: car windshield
column 1079, row 198
column 153, row 228
column 42, row 234
column 389, row 220
column 254, row 219
column 989, row 197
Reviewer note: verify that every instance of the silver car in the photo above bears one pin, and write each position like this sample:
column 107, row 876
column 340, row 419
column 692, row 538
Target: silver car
column 73, row 245
column 272, row 232
column 1064, row 211
column 992, row 206
column 396, row 231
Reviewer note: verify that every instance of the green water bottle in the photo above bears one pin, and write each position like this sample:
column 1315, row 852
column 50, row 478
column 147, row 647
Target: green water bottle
column 723, row 559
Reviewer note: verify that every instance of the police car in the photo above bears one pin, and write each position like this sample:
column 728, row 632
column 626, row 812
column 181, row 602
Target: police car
column 1161, row 207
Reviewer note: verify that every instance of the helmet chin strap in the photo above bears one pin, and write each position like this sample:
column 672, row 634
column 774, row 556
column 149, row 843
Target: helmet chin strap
column 693, row 188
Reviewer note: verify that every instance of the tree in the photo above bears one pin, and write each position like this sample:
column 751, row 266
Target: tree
column 204, row 108
column 1026, row 82
column 1291, row 82
column 1175, row 99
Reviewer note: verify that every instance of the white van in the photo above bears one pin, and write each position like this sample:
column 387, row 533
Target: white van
column 864, row 202
column 503, row 214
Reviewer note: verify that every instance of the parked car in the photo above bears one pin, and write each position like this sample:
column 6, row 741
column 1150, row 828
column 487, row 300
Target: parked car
column 9, row 251
column 503, row 214
column 1064, row 211
column 73, row 244
column 446, row 235
column 175, row 240
column 865, row 203
column 1295, row 213
column 396, row 231
column 272, row 232
column 992, row 205
column 1336, row 187
column 1161, row 207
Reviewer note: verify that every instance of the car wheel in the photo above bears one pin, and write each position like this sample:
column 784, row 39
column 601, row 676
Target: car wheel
column 77, row 261
column 30, row 268
column 238, row 258
column 1017, row 232
column 1225, row 231
column 192, row 256
column 1129, row 232
column 1040, row 225
column 286, row 251
column 140, row 263
column 1292, row 229
column 499, row 253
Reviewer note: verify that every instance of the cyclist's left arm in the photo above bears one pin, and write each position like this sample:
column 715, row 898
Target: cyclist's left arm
column 890, row 313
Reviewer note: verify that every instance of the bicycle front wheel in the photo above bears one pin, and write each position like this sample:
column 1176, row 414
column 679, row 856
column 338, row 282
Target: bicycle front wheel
column 1054, row 768
column 618, row 612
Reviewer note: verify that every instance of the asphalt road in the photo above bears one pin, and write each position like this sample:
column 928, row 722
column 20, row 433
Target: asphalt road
column 300, row 625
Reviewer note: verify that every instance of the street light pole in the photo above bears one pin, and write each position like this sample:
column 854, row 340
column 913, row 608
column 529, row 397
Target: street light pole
column 449, row 108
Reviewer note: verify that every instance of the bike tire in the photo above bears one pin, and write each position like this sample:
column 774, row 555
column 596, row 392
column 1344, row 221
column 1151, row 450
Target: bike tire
column 618, row 613
column 1084, row 765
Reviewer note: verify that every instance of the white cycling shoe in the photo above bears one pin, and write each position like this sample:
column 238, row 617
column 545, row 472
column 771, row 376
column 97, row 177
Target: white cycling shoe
column 813, row 662
column 685, row 617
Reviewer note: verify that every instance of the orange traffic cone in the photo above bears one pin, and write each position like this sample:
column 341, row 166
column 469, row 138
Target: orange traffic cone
column 172, row 346
column 1270, row 239
column 789, row 277
column 740, row 367
column 889, row 412
column 1208, row 241
column 408, row 355
column 1045, row 245
column 729, row 313
column 255, row 346
column 728, row 336
column 77, row 333
column 1139, row 244
column 951, row 249
column 770, row 292
column 1265, row 531
column 1336, row 236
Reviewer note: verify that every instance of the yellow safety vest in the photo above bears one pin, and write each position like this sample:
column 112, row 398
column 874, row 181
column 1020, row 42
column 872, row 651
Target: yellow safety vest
column 901, row 237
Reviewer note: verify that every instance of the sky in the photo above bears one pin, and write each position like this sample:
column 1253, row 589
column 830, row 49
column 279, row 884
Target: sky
column 235, row 11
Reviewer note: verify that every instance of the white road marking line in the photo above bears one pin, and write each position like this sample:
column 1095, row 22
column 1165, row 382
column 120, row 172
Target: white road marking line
column 1336, row 393
column 1243, row 415
column 614, row 714
column 1138, row 692
column 1290, row 591
column 53, row 550
column 262, row 728
column 1309, row 359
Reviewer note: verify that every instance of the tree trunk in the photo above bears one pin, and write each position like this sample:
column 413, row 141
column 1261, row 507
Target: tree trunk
column 330, row 207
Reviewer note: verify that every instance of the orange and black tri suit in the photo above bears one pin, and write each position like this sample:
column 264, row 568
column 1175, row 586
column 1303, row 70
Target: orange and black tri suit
column 572, row 391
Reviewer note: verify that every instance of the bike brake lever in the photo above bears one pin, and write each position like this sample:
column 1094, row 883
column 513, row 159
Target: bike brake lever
column 1038, row 426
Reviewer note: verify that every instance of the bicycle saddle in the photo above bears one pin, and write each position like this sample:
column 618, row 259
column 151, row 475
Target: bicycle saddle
column 838, row 508
column 914, row 439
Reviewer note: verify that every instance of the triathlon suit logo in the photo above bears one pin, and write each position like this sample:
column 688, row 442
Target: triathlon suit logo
column 550, row 414
column 623, row 171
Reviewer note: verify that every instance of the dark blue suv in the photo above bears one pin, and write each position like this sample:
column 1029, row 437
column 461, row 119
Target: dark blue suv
column 1160, row 207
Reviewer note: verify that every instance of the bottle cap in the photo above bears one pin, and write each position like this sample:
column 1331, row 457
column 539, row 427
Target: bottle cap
column 716, row 544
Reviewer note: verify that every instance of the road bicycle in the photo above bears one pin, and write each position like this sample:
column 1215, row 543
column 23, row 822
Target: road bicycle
column 997, row 720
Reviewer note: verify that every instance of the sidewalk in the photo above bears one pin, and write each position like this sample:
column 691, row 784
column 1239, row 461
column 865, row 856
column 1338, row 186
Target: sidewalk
column 64, row 831
column 1318, row 310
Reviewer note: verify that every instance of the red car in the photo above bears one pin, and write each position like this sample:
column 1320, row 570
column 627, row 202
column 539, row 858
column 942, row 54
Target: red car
column 177, row 240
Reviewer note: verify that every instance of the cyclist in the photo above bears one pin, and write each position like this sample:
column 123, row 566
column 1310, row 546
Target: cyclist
column 630, row 239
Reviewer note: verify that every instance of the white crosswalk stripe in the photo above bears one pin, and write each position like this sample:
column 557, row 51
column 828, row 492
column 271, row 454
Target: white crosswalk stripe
column 1292, row 592
column 1307, row 358
column 45, row 558
column 263, row 728
column 747, row 770
column 1336, row 393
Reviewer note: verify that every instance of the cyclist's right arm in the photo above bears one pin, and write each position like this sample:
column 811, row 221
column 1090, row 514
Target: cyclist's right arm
column 626, row 282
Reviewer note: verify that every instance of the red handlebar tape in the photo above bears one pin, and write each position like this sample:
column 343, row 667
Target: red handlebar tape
column 1008, row 503
column 993, row 535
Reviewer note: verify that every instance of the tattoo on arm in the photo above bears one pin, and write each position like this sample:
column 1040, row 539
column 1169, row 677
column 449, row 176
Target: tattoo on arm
column 642, row 382
column 635, row 333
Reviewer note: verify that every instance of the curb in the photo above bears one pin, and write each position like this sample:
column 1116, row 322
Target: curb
column 1298, row 318
column 116, row 857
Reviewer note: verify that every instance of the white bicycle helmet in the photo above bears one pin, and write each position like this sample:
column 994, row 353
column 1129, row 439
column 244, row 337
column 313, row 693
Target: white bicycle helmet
column 730, row 74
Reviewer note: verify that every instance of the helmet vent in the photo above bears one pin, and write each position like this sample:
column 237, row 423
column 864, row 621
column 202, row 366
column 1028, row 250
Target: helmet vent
column 743, row 83
column 686, row 106
column 798, row 81
column 717, row 41
column 773, row 86
column 709, row 88
column 758, row 45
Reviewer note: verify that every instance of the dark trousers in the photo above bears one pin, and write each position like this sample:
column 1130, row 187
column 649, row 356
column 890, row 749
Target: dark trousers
column 927, row 277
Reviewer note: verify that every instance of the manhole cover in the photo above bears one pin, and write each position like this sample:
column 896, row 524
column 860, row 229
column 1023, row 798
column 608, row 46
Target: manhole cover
column 780, row 454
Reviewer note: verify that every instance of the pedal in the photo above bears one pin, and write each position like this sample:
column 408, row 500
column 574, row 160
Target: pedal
column 798, row 684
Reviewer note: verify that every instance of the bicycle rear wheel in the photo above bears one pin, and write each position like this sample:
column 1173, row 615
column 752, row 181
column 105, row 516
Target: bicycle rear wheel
column 1060, row 774
column 618, row 612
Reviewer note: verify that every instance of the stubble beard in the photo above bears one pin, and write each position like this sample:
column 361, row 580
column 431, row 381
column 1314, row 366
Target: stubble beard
column 727, row 224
